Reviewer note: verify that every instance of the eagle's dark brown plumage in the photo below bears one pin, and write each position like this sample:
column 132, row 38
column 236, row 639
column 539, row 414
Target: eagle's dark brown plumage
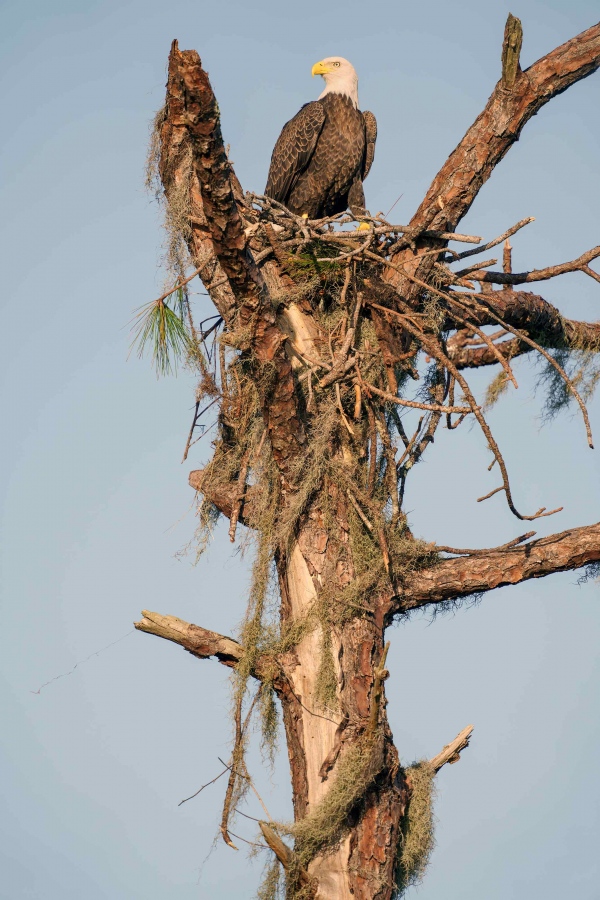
column 324, row 153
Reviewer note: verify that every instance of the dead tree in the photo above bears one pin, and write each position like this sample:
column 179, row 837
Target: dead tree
column 318, row 335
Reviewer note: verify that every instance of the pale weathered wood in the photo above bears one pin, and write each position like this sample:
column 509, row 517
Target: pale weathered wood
column 318, row 726
column 511, row 50
column 199, row 641
column 282, row 851
column 451, row 752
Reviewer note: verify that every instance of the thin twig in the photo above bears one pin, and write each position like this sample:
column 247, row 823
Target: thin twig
column 208, row 783
column 239, row 499
column 414, row 404
column 502, row 237
column 180, row 284
column 359, row 511
column 484, row 551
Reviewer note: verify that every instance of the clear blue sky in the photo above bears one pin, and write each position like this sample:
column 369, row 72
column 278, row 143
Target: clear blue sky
column 96, row 503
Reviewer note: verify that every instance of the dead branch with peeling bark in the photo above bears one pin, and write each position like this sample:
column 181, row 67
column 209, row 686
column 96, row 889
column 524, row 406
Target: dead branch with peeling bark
column 323, row 339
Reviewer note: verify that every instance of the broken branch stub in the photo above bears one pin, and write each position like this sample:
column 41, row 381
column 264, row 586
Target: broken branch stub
column 511, row 51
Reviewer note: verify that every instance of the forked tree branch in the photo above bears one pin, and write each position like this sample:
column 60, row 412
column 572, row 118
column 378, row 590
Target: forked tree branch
column 500, row 124
column 452, row 579
column 538, row 318
column 530, row 313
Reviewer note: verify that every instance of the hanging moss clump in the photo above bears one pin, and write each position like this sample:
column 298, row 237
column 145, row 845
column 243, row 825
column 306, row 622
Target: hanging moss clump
column 417, row 838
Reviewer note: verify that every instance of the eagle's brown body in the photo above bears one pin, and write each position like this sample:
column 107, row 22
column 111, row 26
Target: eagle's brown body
column 322, row 157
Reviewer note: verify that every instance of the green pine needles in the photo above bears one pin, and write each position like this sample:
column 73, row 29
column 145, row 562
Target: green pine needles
column 163, row 330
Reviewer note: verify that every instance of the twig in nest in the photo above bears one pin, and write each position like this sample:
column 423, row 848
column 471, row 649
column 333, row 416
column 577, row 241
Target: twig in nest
column 347, row 276
column 472, row 328
column 241, row 490
column 357, row 401
column 340, row 362
column 372, row 446
column 414, row 404
column 341, row 409
column 439, row 354
column 410, row 444
column 359, row 511
column 433, row 347
column 351, row 254
column 487, row 340
column 487, row 304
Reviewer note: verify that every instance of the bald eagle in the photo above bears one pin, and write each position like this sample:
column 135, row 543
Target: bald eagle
column 324, row 153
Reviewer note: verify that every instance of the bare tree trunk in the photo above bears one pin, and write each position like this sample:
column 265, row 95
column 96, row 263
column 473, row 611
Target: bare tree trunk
column 319, row 739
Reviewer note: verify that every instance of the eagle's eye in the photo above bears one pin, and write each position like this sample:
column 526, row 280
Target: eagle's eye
column 336, row 64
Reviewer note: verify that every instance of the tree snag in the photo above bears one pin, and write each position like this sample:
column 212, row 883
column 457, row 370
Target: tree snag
column 307, row 369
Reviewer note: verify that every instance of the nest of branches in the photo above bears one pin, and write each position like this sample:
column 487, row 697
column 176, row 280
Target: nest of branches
column 364, row 359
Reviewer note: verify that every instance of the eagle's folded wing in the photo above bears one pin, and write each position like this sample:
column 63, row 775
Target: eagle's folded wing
column 371, row 136
column 293, row 150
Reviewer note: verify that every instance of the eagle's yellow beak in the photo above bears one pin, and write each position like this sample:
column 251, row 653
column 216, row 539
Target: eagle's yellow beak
column 320, row 69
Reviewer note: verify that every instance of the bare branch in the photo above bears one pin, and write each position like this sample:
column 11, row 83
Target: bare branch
column 463, row 552
column 500, row 124
column 204, row 644
column 199, row 641
column 451, row 752
column 412, row 404
column 498, row 240
column 530, row 313
column 576, row 265
column 460, row 577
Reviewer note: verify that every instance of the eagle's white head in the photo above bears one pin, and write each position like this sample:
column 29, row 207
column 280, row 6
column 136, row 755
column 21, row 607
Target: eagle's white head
column 340, row 77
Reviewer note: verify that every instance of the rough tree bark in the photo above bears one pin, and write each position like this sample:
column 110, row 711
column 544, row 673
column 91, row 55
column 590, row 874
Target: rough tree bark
column 243, row 262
